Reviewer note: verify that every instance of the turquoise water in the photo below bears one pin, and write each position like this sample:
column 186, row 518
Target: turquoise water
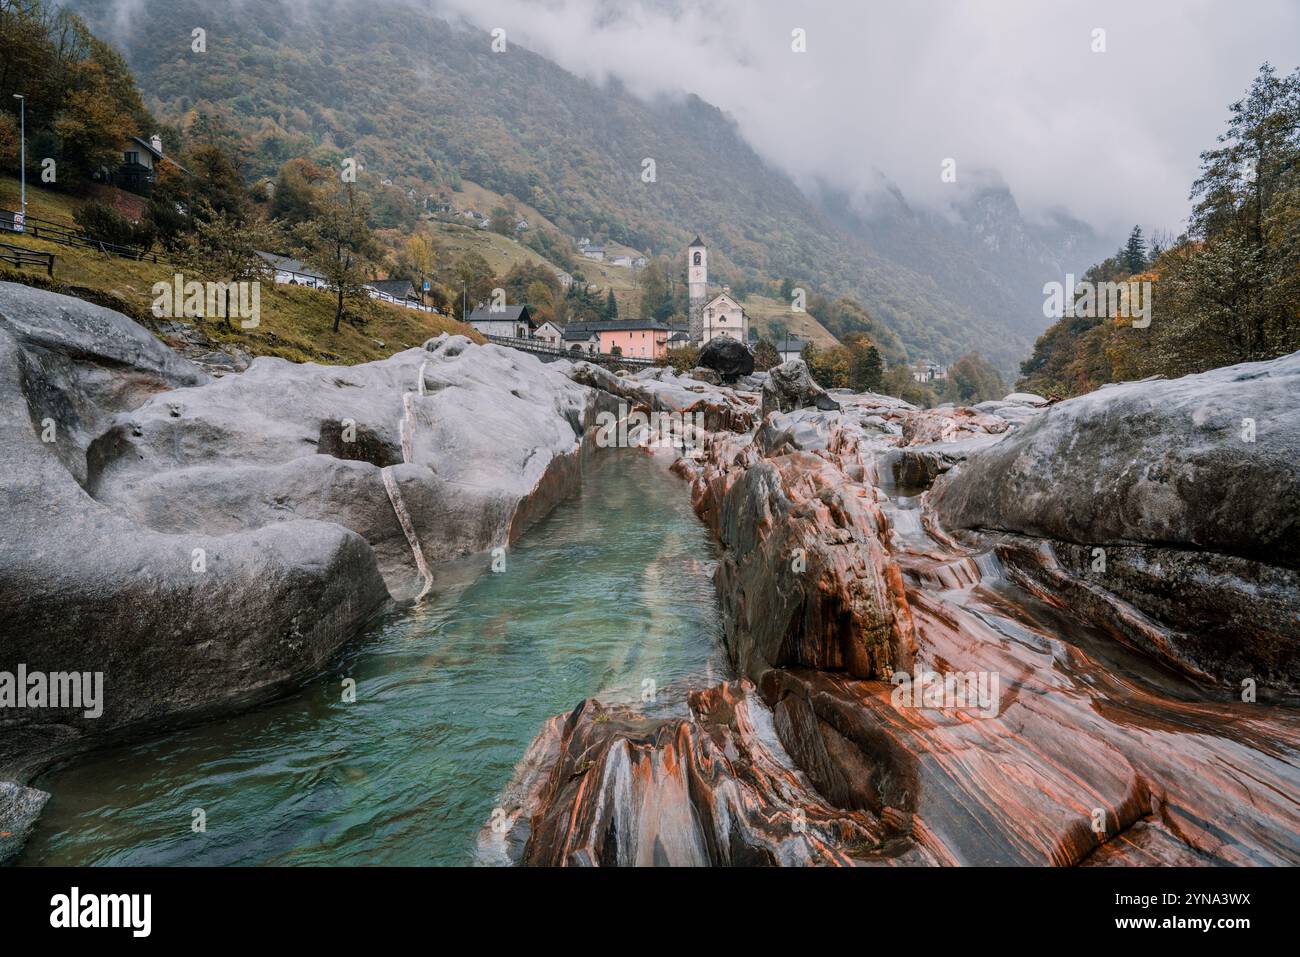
column 610, row 592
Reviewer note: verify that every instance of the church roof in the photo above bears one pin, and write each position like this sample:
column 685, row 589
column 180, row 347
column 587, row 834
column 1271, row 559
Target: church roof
column 698, row 242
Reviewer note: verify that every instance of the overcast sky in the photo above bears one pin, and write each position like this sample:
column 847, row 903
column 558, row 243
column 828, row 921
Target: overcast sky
column 895, row 88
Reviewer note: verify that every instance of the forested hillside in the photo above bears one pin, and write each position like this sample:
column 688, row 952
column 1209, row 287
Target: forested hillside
column 426, row 104
column 1227, row 292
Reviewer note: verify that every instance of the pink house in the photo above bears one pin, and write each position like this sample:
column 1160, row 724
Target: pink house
column 636, row 340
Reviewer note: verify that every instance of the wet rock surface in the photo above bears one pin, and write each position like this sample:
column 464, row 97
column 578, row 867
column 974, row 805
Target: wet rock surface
column 1181, row 497
column 955, row 696
column 19, row 809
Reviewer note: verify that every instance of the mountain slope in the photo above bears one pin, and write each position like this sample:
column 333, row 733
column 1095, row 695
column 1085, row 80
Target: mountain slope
column 426, row 103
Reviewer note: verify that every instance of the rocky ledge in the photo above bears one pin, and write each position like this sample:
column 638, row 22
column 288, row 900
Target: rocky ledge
column 931, row 677
column 203, row 543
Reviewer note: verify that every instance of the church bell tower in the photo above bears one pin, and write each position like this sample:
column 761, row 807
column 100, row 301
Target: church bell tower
column 697, row 285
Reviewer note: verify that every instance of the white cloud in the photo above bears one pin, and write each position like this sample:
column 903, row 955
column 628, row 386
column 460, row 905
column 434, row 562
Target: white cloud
column 1010, row 85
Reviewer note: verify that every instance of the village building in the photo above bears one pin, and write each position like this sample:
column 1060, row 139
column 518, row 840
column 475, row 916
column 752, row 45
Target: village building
column 633, row 340
column 593, row 252
column 294, row 273
column 578, row 337
column 138, row 170
column 550, row 333
column 791, row 347
column 510, row 322
column 399, row 292
column 679, row 339
column 927, row 370
column 697, row 286
column 724, row 316
column 566, row 280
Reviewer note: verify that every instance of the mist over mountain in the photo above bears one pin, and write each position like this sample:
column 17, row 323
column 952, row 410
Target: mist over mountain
column 428, row 103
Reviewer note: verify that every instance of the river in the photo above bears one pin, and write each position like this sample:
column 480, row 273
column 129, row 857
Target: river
column 610, row 596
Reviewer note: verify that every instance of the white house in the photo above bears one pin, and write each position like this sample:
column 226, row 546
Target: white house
column 511, row 322
column 622, row 260
column 580, row 337
column 594, row 252
column 399, row 292
column 550, row 333
column 723, row 316
column 293, row 272
column 927, row 370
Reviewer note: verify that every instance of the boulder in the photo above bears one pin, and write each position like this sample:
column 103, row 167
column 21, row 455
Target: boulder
column 1192, row 489
column 727, row 357
column 476, row 441
column 203, row 543
column 790, row 386
column 19, row 809
column 177, row 624
column 608, row 787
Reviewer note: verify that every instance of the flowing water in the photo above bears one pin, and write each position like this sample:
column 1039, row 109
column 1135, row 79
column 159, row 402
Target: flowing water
column 610, row 596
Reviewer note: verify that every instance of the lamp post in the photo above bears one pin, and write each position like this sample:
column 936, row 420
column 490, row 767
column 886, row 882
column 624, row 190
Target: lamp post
column 22, row 150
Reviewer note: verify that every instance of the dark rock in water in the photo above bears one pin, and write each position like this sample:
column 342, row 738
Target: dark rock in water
column 727, row 357
column 789, row 386
column 1190, row 491
column 19, row 809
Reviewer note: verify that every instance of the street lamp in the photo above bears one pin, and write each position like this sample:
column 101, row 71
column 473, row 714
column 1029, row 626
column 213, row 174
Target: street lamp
column 22, row 151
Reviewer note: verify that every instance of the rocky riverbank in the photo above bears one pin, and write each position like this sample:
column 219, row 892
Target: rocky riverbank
column 1109, row 717
column 1116, row 576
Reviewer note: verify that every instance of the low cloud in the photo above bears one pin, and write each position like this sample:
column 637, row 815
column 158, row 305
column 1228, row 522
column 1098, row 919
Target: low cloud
column 887, row 92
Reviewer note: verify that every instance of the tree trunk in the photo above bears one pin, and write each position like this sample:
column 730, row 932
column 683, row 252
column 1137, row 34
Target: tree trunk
column 338, row 314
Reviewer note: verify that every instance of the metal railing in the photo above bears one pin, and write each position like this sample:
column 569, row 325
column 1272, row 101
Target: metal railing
column 63, row 236
column 543, row 348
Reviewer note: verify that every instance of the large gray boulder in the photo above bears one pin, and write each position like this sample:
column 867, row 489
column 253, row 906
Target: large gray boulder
column 1190, row 487
column 177, row 624
column 790, row 386
column 204, row 543
column 476, row 440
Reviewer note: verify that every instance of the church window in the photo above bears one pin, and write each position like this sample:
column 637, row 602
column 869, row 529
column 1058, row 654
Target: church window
column 697, row 259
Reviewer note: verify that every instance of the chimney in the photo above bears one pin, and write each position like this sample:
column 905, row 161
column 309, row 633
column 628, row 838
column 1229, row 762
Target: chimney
column 156, row 142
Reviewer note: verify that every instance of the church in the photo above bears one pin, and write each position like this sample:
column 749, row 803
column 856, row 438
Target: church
column 720, row 316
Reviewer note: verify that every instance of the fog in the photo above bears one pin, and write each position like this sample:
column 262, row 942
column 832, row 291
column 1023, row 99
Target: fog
column 887, row 92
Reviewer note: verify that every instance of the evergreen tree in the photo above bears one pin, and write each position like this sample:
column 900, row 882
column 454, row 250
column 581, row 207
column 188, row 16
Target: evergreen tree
column 1134, row 256
column 611, row 307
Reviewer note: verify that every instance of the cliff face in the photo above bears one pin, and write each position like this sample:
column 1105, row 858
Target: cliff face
column 960, row 702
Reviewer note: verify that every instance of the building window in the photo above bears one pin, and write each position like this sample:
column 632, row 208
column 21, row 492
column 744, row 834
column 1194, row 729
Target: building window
column 697, row 259
column 133, row 157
